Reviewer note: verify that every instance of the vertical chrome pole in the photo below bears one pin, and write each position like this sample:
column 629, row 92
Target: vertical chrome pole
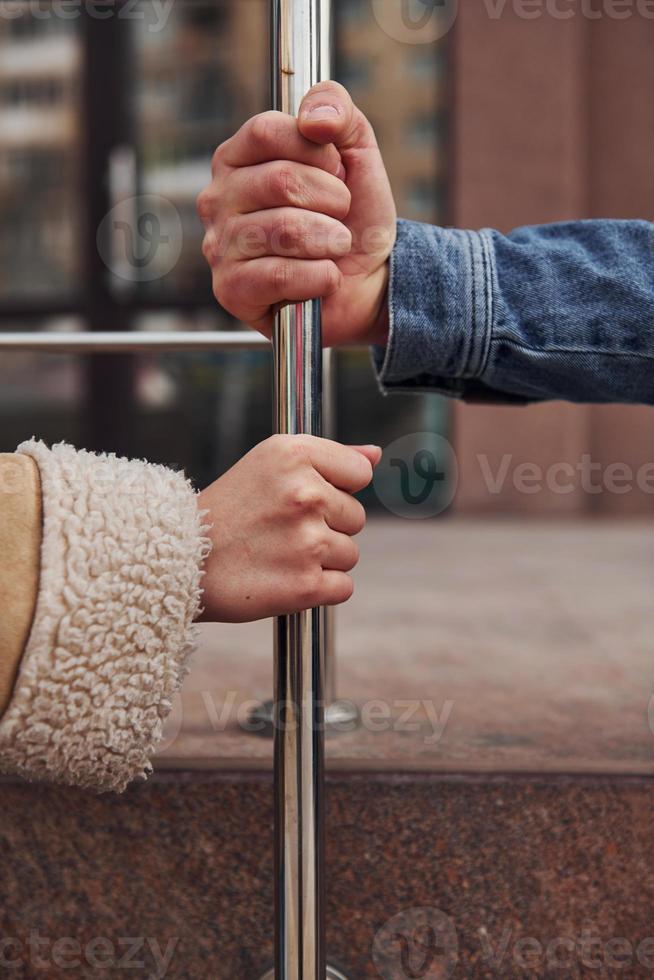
column 328, row 381
column 299, row 661
column 301, row 57
column 340, row 715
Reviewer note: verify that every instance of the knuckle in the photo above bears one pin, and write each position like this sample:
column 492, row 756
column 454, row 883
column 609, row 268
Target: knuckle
column 265, row 130
column 313, row 544
column 309, row 588
column 286, row 186
column 355, row 554
column 340, row 240
column 305, row 497
column 359, row 517
column 330, row 159
column 342, row 202
column 227, row 290
column 344, row 591
column 205, row 204
column 290, row 233
column 295, row 450
column 207, row 247
column 217, row 158
column 360, row 471
column 332, row 277
column 282, row 276
column 278, row 443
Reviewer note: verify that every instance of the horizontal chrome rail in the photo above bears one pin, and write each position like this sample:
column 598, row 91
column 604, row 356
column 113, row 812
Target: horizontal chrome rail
column 133, row 342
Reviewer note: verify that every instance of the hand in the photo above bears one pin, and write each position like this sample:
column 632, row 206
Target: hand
column 299, row 209
column 283, row 519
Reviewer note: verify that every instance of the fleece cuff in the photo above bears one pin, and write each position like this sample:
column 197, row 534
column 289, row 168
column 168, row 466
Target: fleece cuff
column 121, row 563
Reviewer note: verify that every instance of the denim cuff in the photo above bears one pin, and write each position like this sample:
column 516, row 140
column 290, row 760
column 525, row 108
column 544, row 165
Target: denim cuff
column 440, row 301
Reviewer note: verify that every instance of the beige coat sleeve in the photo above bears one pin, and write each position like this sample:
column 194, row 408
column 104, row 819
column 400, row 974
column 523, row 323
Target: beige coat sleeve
column 90, row 669
column 20, row 548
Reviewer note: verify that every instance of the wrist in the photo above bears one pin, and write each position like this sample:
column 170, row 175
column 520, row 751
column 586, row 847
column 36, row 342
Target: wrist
column 378, row 331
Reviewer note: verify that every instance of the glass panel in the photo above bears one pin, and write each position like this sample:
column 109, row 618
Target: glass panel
column 199, row 69
column 402, row 89
column 40, row 63
column 200, row 411
column 198, row 76
column 40, row 394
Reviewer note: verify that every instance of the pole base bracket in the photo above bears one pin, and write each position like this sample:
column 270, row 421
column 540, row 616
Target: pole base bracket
column 341, row 716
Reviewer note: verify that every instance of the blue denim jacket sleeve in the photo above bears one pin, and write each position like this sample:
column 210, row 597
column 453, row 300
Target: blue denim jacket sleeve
column 553, row 311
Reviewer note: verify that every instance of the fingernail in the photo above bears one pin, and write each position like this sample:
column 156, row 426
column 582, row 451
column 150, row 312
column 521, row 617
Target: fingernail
column 324, row 112
column 341, row 173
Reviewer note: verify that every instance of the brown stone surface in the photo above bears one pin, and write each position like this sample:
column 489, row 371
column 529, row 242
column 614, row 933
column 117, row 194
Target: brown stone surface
column 529, row 642
column 186, row 860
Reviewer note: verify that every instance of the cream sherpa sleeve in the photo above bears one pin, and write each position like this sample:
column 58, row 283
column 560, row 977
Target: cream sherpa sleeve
column 121, row 563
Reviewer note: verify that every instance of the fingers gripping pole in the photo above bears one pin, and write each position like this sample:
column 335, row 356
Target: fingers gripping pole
column 300, row 47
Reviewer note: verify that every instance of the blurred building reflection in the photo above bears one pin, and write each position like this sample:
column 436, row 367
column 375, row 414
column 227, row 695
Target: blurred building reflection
column 192, row 77
column 40, row 62
column 401, row 88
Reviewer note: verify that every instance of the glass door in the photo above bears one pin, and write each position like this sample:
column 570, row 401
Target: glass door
column 107, row 128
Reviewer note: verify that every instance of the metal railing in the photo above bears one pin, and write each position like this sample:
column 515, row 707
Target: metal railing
column 133, row 342
column 301, row 56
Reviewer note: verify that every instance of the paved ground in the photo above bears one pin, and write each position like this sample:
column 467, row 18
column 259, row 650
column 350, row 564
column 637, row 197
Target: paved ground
column 469, row 646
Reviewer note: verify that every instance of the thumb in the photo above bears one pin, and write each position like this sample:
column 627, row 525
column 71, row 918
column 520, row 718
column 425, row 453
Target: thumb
column 372, row 453
column 328, row 115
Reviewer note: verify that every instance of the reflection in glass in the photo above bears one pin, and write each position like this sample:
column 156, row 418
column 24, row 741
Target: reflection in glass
column 40, row 63
column 40, row 394
column 401, row 88
column 196, row 81
column 194, row 76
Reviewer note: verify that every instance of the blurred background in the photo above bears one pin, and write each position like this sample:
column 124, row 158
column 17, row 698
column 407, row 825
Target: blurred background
column 111, row 113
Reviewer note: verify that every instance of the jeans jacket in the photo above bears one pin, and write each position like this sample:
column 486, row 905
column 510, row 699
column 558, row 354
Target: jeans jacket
column 554, row 311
